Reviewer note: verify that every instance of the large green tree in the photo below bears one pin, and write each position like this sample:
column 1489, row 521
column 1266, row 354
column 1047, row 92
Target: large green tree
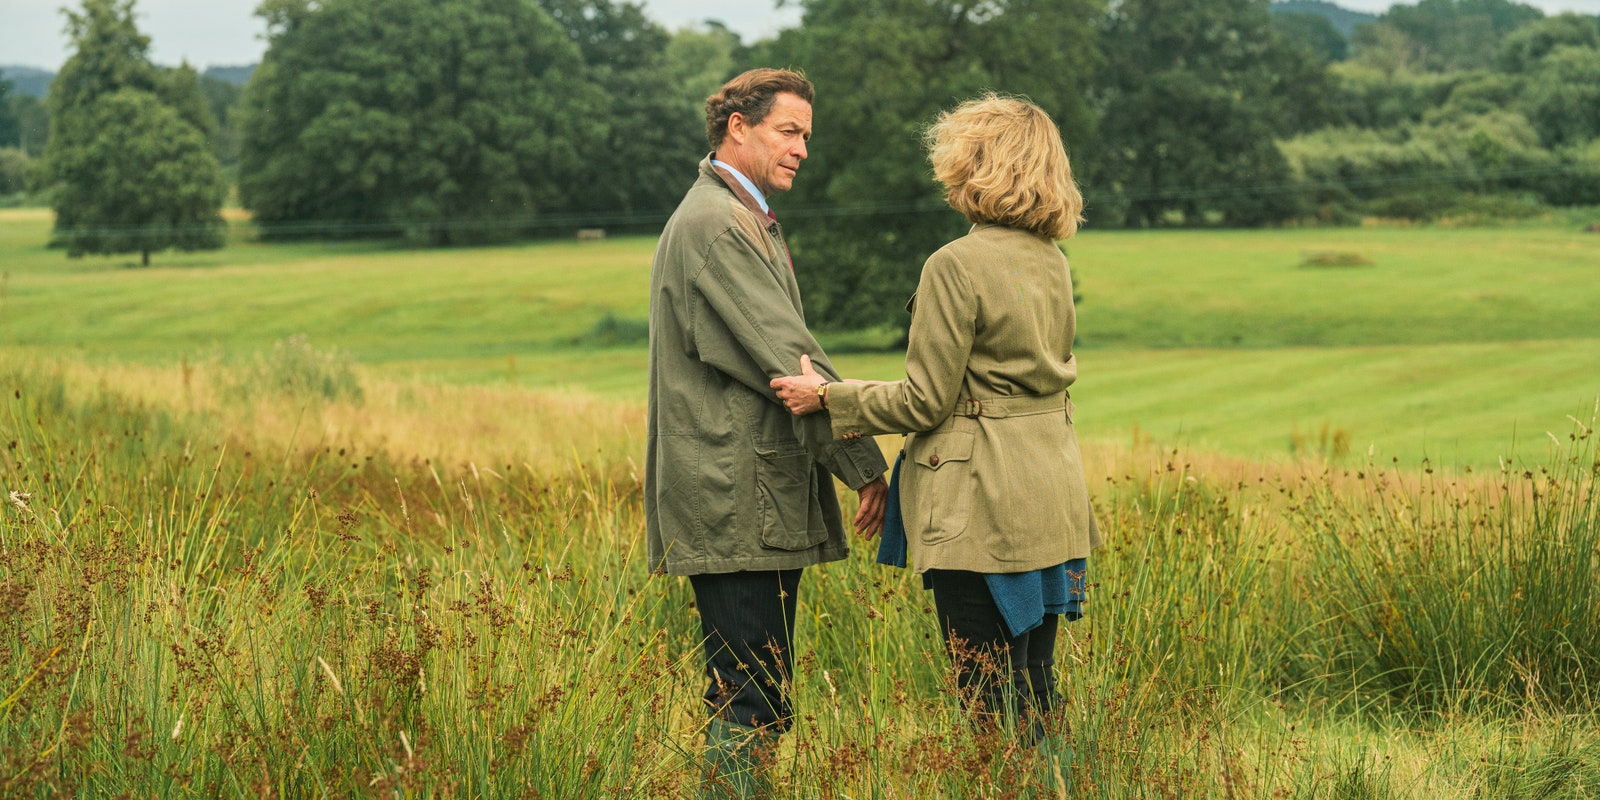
column 448, row 122
column 865, row 212
column 1193, row 96
column 653, row 135
column 157, row 187
column 1563, row 98
column 179, row 88
column 130, row 172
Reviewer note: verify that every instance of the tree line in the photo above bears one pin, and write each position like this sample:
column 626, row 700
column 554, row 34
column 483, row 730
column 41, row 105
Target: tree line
column 484, row 120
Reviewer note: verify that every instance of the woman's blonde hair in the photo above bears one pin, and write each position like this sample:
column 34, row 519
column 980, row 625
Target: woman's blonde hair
column 1001, row 161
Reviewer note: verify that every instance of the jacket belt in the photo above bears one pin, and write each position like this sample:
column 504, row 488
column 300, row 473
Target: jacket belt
column 1013, row 406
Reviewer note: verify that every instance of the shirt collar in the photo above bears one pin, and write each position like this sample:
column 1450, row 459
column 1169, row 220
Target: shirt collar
column 745, row 182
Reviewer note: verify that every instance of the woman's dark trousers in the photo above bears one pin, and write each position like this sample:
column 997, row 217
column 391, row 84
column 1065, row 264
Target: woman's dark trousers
column 997, row 674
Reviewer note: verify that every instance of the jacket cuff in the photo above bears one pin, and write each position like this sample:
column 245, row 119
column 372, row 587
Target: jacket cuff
column 844, row 410
column 861, row 460
column 853, row 450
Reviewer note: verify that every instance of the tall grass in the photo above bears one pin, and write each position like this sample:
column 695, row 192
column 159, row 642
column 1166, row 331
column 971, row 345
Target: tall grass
column 1453, row 590
column 317, row 626
column 427, row 591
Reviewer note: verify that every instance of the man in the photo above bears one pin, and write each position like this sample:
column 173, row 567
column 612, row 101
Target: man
column 738, row 493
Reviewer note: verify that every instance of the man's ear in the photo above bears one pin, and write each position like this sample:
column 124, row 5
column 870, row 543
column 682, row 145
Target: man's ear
column 738, row 127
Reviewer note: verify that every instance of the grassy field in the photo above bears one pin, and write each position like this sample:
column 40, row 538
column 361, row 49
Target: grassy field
column 289, row 578
column 1456, row 345
column 348, row 520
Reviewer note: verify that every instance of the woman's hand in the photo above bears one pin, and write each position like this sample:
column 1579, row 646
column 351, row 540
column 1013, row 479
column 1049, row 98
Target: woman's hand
column 799, row 392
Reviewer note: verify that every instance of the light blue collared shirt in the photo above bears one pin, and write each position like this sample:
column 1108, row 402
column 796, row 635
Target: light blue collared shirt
column 745, row 182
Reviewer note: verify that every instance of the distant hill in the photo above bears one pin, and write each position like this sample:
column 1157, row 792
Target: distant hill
column 237, row 76
column 1344, row 20
column 27, row 80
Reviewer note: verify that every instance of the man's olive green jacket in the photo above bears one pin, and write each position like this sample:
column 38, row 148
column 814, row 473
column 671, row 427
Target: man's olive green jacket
column 992, row 479
column 733, row 481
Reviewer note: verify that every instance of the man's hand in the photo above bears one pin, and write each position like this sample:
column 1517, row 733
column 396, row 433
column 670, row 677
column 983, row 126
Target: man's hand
column 869, row 517
column 799, row 392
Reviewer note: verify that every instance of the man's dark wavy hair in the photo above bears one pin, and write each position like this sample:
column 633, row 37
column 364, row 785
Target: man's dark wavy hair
column 751, row 94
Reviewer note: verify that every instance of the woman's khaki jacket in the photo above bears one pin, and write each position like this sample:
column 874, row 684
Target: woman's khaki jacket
column 992, row 481
column 733, row 481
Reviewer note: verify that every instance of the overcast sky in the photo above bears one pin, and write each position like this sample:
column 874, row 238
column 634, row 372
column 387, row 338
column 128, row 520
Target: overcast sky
column 226, row 32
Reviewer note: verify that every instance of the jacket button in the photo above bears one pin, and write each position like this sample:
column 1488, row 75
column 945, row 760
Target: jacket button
column 933, row 461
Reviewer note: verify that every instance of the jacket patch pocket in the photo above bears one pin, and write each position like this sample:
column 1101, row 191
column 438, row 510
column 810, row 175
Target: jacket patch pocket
column 943, row 484
column 786, row 502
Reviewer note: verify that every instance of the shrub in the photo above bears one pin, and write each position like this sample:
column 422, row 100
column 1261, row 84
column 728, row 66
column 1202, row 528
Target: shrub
column 1334, row 258
column 1487, row 209
column 297, row 369
column 14, row 165
column 614, row 331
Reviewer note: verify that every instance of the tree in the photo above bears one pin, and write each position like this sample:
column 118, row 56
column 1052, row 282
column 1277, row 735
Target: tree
column 1193, row 98
column 866, row 210
column 159, row 187
column 1442, row 35
column 1385, row 48
column 10, row 126
column 1526, row 46
column 179, row 89
column 14, row 168
column 15, row 165
column 1563, row 98
column 447, row 122
column 222, row 97
column 701, row 61
column 1314, row 32
column 1368, row 97
column 31, row 123
column 1483, row 92
column 110, row 54
column 652, row 137
column 130, row 173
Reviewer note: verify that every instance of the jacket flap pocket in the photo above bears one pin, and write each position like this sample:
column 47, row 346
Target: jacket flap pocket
column 932, row 450
column 787, row 507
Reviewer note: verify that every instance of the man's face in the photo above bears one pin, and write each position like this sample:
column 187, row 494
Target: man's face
column 769, row 154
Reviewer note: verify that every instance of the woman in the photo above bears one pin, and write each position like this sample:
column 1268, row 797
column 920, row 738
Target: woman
column 995, row 506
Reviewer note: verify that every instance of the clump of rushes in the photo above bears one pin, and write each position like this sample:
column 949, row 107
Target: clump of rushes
column 1334, row 258
column 1474, row 590
column 187, row 609
column 295, row 368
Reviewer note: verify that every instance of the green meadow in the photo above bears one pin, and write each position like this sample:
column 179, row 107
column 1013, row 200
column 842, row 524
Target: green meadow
column 1455, row 345
column 350, row 520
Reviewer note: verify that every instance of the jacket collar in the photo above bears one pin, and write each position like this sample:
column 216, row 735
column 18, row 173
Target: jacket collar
column 732, row 183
